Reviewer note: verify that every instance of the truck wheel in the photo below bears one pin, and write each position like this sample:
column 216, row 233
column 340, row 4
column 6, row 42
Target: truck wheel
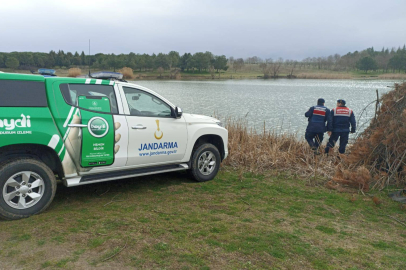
column 205, row 162
column 27, row 188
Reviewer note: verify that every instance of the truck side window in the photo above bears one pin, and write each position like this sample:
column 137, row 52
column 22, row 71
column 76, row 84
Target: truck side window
column 142, row 103
column 72, row 91
column 22, row 94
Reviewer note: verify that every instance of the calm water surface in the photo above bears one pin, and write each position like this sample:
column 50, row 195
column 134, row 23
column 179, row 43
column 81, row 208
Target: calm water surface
column 280, row 103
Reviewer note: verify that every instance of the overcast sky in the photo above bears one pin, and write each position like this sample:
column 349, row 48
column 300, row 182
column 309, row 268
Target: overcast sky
column 291, row 29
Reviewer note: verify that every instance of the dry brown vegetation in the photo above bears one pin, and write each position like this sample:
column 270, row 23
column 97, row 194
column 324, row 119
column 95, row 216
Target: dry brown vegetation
column 392, row 76
column 74, row 72
column 127, row 72
column 378, row 157
column 330, row 75
column 175, row 74
column 258, row 152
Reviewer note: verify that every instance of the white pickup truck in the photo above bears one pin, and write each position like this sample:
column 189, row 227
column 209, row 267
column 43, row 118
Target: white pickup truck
column 89, row 130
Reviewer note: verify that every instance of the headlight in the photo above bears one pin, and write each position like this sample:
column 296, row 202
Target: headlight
column 219, row 123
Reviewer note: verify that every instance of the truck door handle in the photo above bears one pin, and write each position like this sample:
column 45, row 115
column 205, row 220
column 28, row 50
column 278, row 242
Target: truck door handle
column 77, row 125
column 138, row 127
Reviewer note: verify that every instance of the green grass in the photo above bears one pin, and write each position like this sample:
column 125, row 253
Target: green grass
column 170, row 222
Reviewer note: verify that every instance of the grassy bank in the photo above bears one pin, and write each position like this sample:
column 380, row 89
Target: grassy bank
column 247, row 73
column 237, row 221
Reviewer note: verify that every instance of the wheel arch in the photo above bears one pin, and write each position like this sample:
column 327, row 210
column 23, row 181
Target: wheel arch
column 214, row 139
column 37, row 151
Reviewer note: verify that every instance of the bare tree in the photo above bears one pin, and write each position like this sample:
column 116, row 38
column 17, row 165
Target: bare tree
column 212, row 71
column 275, row 66
column 174, row 73
column 383, row 61
column 238, row 64
column 160, row 71
column 266, row 70
column 254, row 60
column 292, row 67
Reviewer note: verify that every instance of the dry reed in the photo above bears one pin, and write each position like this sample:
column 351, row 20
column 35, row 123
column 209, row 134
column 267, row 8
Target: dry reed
column 323, row 76
column 392, row 76
column 267, row 150
column 74, row 72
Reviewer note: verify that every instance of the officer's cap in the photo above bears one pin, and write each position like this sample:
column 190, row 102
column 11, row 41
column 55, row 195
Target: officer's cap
column 342, row 101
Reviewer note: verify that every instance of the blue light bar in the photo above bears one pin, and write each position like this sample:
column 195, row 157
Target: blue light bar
column 46, row 71
column 107, row 75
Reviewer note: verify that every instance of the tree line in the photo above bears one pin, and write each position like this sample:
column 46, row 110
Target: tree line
column 143, row 62
column 385, row 60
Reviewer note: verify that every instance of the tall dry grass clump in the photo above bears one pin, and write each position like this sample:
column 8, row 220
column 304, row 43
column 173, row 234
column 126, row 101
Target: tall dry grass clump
column 74, row 72
column 127, row 72
column 261, row 151
column 174, row 73
column 378, row 157
column 392, row 76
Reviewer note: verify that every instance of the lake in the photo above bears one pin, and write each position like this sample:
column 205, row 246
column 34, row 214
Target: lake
column 280, row 103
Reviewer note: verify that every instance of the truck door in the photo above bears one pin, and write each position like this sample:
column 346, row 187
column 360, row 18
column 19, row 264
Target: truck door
column 95, row 135
column 97, row 132
column 155, row 135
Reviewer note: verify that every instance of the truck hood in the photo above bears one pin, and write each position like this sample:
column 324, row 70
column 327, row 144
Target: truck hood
column 197, row 118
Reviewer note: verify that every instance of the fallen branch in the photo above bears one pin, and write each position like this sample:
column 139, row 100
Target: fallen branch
column 397, row 220
column 245, row 202
column 115, row 254
column 113, row 201
column 104, row 192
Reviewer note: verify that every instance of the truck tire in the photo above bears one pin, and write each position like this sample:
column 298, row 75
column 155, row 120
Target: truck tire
column 27, row 187
column 205, row 162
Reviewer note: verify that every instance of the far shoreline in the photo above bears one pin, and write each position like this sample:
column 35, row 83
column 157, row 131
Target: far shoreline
column 229, row 75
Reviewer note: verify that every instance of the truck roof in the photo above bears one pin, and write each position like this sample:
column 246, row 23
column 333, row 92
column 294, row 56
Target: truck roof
column 50, row 80
column 22, row 77
column 41, row 78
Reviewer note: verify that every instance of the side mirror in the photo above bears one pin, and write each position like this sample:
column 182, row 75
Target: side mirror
column 178, row 112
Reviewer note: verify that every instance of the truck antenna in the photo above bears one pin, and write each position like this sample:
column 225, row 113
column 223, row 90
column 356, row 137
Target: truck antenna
column 89, row 58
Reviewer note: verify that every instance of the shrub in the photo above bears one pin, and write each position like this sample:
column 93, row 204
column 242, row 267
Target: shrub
column 160, row 71
column 74, row 72
column 127, row 72
column 378, row 156
column 175, row 74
